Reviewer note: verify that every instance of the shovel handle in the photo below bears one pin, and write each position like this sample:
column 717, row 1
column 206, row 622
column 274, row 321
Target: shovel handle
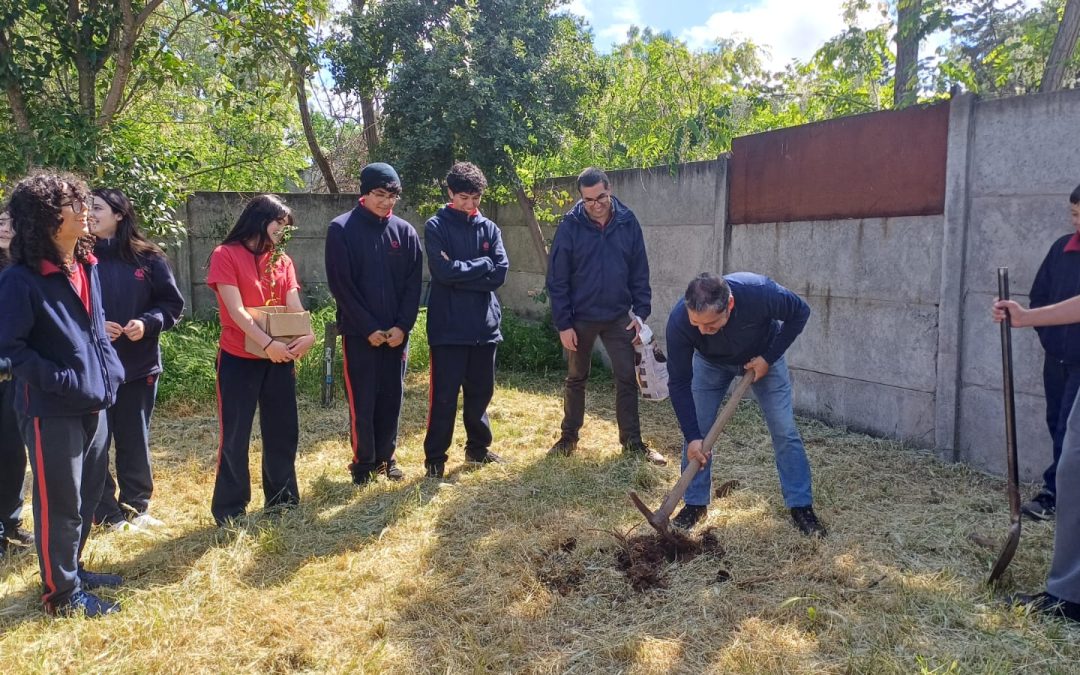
column 1008, row 391
column 692, row 466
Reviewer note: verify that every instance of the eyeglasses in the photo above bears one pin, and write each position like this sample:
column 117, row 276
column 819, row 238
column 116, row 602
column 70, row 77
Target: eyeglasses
column 77, row 205
column 604, row 198
column 385, row 196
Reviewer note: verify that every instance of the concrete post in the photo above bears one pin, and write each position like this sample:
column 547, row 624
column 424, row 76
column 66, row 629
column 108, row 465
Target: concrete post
column 720, row 221
column 953, row 249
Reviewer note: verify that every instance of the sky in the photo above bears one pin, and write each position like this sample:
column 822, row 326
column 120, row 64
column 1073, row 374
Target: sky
column 789, row 29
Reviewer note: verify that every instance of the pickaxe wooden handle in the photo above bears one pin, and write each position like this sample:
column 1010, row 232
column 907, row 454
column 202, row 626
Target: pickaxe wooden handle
column 661, row 518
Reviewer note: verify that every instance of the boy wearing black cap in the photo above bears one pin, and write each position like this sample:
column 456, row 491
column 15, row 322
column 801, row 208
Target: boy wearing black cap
column 373, row 266
column 468, row 263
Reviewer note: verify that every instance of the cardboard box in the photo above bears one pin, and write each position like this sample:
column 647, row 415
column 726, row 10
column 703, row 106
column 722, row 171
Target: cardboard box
column 279, row 323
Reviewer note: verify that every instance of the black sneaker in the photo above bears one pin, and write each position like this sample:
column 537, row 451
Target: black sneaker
column 392, row 471
column 639, row 449
column 363, row 478
column 807, row 522
column 689, row 516
column 489, row 457
column 1042, row 507
column 91, row 580
column 19, row 537
column 564, row 447
column 1048, row 605
column 434, row 469
column 87, row 604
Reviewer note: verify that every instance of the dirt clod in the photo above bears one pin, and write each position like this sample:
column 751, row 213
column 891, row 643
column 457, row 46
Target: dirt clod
column 644, row 558
column 726, row 488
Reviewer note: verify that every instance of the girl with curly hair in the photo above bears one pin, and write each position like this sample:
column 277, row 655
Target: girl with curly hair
column 248, row 269
column 141, row 300
column 66, row 374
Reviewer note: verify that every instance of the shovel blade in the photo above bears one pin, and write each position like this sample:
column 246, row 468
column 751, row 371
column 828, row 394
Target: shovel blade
column 1006, row 555
column 658, row 523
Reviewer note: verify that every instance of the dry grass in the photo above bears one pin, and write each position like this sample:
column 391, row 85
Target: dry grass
column 470, row 574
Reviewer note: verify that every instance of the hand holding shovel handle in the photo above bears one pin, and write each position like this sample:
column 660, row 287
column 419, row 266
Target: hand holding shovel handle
column 661, row 518
column 1013, row 539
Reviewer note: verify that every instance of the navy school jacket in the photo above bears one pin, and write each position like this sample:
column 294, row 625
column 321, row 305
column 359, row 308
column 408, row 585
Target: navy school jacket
column 374, row 267
column 1058, row 279
column 63, row 361
column 462, row 307
column 765, row 321
column 146, row 291
column 598, row 274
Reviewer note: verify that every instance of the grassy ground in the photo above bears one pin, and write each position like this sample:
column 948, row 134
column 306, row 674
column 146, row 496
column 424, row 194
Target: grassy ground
column 475, row 573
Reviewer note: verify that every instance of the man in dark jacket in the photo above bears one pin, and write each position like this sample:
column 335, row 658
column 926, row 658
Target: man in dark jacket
column 468, row 263
column 598, row 273
column 373, row 266
column 723, row 327
column 1058, row 279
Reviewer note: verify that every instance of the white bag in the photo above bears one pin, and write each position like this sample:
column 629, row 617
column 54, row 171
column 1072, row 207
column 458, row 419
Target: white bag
column 650, row 366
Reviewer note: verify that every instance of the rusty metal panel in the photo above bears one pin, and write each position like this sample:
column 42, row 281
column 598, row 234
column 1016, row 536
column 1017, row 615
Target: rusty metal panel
column 880, row 164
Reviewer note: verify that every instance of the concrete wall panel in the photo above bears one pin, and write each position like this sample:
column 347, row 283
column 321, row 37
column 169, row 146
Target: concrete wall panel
column 982, row 432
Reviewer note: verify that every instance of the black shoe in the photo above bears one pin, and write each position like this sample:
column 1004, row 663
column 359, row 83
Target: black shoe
column 363, row 478
column 639, row 449
column 689, row 516
column 1041, row 508
column 91, row 580
column 392, row 471
column 489, row 457
column 564, row 447
column 807, row 522
column 434, row 469
column 19, row 537
column 87, row 604
column 1048, row 605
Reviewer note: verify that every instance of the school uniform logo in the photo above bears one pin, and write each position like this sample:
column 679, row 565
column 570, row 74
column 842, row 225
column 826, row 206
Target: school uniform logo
column 395, row 247
column 140, row 275
column 485, row 247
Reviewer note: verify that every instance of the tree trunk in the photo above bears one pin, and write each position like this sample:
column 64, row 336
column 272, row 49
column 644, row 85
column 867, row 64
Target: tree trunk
column 1064, row 46
column 371, row 131
column 300, row 83
column 906, row 79
column 534, row 225
column 15, row 98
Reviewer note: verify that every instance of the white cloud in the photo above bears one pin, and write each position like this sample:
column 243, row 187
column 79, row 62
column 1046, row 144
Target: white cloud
column 625, row 15
column 580, row 8
column 787, row 29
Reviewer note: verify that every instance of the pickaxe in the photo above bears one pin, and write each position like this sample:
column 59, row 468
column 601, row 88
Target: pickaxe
column 661, row 518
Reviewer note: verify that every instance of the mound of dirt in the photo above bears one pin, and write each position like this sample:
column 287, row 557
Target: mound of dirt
column 645, row 558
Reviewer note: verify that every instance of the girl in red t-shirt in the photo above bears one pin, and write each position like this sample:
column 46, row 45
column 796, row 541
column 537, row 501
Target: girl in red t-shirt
column 246, row 271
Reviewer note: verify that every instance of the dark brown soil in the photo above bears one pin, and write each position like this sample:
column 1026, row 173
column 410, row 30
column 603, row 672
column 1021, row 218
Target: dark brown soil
column 644, row 558
column 558, row 570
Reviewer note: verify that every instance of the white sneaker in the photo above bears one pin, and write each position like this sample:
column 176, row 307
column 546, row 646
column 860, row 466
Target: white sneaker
column 145, row 521
column 124, row 526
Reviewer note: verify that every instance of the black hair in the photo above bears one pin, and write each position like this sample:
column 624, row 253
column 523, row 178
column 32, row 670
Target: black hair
column 466, row 177
column 590, row 177
column 133, row 244
column 707, row 292
column 1074, row 198
column 37, row 213
column 258, row 213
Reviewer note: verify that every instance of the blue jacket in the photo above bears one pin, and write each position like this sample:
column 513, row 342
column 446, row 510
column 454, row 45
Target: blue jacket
column 467, row 261
column 765, row 321
column 146, row 292
column 63, row 361
column 1058, row 279
column 375, row 269
column 598, row 274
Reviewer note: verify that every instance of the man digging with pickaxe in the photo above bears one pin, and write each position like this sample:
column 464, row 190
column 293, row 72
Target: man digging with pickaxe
column 722, row 327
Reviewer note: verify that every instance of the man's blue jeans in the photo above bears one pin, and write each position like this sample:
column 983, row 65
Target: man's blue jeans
column 773, row 394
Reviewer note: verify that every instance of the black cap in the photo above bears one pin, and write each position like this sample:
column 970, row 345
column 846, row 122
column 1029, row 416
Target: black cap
column 379, row 175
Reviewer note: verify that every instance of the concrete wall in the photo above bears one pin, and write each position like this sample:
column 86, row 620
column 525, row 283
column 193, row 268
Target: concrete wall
column 899, row 343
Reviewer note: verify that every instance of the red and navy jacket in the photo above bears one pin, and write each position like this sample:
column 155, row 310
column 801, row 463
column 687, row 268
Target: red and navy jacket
column 375, row 269
column 765, row 321
column 467, row 260
column 147, row 292
column 598, row 273
column 63, row 361
column 1058, row 279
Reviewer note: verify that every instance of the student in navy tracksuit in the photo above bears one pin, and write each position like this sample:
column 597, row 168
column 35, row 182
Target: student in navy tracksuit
column 246, row 270
column 468, row 263
column 66, row 375
column 598, row 272
column 141, row 299
column 12, row 450
column 1058, row 279
column 374, row 268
